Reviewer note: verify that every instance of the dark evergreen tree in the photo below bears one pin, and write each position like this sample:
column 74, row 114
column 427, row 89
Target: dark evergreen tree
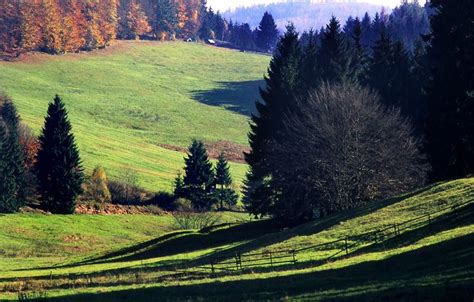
column 223, row 181
column 309, row 68
column 450, row 94
column 179, row 187
column 335, row 58
column 199, row 176
column 8, row 183
column 166, row 17
column 58, row 166
column 283, row 83
column 267, row 33
column 359, row 55
column 367, row 30
column 389, row 74
column 408, row 21
column 11, row 119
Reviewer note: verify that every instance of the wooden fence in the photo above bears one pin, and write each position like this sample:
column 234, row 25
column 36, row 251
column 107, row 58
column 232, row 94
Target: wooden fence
column 341, row 247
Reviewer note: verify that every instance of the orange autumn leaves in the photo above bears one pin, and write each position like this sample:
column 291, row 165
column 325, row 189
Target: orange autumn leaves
column 61, row 26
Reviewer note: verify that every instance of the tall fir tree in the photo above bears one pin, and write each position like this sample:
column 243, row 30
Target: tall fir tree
column 179, row 187
column 58, row 167
column 450, row 95
column 166, row 20
column 16, row 162
column 199, row 176
column 267, row 33
column 389, row 74
column 223, row 182
column 283, row 85
column 309, row 67
column 335, row 58
column 359, row 55
column 8, row 184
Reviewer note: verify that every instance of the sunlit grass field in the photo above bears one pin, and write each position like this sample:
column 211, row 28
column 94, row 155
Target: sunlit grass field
column 423, row 263
column 126, row 101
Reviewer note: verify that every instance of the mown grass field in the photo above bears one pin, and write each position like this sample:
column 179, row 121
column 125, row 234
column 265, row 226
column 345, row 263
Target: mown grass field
column 426, row 262
column 126, row 101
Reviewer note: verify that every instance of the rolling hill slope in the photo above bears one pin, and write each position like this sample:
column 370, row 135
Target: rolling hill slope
column 430, row 260
column 128, row 101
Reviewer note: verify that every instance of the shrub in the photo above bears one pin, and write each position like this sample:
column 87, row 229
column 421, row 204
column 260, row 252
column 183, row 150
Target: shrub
column 98, row 186
column 186, row 218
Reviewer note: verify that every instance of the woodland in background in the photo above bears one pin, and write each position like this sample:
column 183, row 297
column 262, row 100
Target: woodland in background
column 57, row 26
column 342, row 122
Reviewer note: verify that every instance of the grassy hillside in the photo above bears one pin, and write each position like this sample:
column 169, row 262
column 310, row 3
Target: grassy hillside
column 127, row 101
column 424, row 262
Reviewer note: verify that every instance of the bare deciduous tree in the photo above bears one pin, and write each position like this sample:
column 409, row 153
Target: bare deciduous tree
column 341, row 150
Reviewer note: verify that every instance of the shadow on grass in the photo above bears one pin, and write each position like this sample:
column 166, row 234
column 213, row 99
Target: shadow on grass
column 239, row 97
column 440, row 272
column 254, row 235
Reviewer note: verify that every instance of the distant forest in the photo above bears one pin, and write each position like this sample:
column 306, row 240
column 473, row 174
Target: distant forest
column 303, row 14
column 407, row 22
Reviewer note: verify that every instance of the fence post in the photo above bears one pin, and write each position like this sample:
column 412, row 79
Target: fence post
column 271, row 259
column 395, row 229
column 376, row 234
column 345, row 244
column 429, row 222
column 212, row 265
column 294, row 256
column 237, row 261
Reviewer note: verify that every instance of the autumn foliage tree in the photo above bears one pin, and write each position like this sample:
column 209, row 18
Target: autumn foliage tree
column 10, row 21
column 136, row 21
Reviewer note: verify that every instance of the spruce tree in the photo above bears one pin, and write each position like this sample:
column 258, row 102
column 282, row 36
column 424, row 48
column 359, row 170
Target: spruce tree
column 199, row 176
column 283, row 85
column 389, row 74
column 58, row 166
column 359, row 56
column 450, row 95
column 267, row 33
column 310, row 70
column 166, row 17
column 14, row 155
column 179, row 188
column 223, row 181
column 334, row 55
column 8, row 184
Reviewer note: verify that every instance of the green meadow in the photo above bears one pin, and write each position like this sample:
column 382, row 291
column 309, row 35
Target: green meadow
column 128, row 101
column 151, row 259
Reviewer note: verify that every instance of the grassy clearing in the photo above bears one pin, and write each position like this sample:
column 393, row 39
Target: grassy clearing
column 423, row 263
column 126, row 101
column 29, row 240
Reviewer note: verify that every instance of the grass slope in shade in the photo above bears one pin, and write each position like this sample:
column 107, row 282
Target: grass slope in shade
column 424, row 263
column 126, row 101
column 30, row 240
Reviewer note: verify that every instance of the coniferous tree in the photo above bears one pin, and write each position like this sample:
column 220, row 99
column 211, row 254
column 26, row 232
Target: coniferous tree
column 166, row 18
column 8, row 184
column 389, row 74
column 199, row 176
column 267, row 33
column 450, row 94
column 334, row 56
column 16, row 163
column 179, row 187
column 310, row 71
column 58, row 165
column 223, row 181
column 359, row 56
column 283, row 85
